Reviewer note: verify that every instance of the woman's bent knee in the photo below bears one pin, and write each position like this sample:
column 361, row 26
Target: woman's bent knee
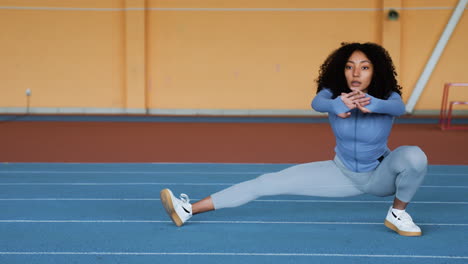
column 413, row 157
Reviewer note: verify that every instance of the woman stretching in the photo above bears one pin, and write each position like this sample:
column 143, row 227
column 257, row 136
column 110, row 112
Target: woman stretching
column 358, row 89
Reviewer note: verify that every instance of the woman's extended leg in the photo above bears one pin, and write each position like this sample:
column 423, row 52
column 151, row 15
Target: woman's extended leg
column 312, row 179
column 204, row 205
column 322, row 178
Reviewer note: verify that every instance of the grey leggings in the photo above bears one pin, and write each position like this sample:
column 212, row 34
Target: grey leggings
column 401, row 173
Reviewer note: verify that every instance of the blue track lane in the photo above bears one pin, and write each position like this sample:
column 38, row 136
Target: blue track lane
column 111, row 213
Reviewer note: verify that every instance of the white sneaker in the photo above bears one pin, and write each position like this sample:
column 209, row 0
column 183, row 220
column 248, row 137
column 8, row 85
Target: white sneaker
column 402, row 223
column 179, row 210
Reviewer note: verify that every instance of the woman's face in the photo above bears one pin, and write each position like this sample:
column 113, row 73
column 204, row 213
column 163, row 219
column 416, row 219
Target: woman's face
column 358, row 71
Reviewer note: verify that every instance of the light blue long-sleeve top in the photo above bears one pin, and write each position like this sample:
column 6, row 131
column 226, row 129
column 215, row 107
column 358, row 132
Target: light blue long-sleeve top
column 361, row 139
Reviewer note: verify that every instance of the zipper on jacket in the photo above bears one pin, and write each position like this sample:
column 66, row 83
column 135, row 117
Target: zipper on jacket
column 355, row 141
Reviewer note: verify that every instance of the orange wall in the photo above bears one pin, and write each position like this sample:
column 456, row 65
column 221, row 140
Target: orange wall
column 247, row 59
column 420, row 33
column 67, row 58
column 132, row 55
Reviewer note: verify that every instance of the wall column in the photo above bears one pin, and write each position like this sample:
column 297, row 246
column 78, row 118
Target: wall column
column 391, row 32
column 135, row 57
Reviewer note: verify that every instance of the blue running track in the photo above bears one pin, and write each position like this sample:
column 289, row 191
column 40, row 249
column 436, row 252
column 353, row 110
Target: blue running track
column 111, row 213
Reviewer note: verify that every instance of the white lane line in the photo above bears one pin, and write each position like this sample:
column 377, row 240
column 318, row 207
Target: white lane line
column 173, row 172
column 133, row 172
column 447, row 174
column 173, row 183
column 84, row 199
column 114, row 183
column 136, row 172
column 233, row 254
column 219, row 222
column 260, row 200
column 353, row 201
column 443, row 186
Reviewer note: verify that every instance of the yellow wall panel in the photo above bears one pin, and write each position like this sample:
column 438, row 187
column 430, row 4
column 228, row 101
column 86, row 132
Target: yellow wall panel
column 64, row 3
column 263, row 4
column 452, row 67
column 172, row 54
column 429, row 3
column 67, row 58
column 237, row 60
column 419, row 38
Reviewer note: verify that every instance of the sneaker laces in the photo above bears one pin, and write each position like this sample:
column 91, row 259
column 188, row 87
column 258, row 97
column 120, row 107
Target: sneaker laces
column 405, row 217
column 184, row 198
column 406, row 220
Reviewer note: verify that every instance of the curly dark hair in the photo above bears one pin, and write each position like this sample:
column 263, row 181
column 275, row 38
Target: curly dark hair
column 331, row 73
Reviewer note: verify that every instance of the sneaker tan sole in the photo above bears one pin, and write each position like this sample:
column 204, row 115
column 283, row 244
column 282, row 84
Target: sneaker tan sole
column 166, row 200
column 400, row 232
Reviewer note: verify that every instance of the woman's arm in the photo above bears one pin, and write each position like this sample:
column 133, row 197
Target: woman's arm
column 392, row 106
column 323, row 103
